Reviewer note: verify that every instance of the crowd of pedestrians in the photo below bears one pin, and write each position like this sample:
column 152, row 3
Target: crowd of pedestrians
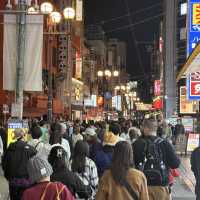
column 112, row 160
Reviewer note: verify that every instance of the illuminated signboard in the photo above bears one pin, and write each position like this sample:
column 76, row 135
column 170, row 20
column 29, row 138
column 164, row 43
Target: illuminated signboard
column 193, row 86
column 157, row 88
column 193, row 24
column 186, row 106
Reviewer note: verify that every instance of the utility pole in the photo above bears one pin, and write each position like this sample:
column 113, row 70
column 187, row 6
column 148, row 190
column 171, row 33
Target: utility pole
column 21, row 35
column 169, row 58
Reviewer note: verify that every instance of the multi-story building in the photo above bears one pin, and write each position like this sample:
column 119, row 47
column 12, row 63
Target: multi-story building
column 35, row 103
column 109, row 65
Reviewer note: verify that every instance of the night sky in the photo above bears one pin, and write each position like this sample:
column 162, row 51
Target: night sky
column 147, row 11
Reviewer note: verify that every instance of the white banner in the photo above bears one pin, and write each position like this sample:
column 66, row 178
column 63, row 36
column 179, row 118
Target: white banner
column 32, row 57
column 79, row 10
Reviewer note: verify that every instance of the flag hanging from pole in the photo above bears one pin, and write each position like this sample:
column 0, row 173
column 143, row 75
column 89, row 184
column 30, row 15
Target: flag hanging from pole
column 32, row 55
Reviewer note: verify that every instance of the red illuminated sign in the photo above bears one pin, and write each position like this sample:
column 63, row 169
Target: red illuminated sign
column 194, row 85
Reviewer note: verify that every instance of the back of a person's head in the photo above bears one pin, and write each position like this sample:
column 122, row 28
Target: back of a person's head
column 42, row 122
column 38, row 168
column 115, row 128
column 122, row 161
column 56, row 135
column 58, row 158
column 91, row 122
column 56, row 126
column 135, row 123
column 81, row 148
column 151, row 124
column 36, row 132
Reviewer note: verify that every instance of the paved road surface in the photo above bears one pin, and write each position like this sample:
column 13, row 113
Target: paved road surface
column 184, row 186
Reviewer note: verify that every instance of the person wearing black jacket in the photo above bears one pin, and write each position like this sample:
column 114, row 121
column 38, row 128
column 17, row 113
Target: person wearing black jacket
column 14, row 164
column 61, row 173
column 170, row 159
column 195, row 166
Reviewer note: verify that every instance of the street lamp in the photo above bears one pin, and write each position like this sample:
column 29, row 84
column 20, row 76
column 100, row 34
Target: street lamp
column 69, row 13
column 55, row 17
column 107, row 73
column 46, row 8
column 116, row 73
column 100, row 73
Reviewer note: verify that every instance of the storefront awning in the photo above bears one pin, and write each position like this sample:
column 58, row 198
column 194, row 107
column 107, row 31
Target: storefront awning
column 192, row 64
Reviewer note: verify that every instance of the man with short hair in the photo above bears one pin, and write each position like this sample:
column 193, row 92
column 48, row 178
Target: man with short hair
column 155, row 156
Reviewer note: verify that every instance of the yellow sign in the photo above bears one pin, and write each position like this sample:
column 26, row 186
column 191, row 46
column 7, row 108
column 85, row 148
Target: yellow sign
column 10, row 132
column 196, row 14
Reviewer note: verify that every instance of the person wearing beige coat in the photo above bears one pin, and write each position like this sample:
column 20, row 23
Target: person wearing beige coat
column 111, row 186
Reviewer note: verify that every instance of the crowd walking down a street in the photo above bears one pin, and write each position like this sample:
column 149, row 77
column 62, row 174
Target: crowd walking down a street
column 105, row 160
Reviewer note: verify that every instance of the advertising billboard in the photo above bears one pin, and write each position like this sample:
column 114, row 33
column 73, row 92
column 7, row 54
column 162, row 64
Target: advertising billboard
column 186, row 106
column 193, row 86
column 12, row 125
column 193, row 24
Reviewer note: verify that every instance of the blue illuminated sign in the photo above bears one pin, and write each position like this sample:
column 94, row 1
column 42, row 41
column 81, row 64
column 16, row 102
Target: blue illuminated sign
column 193, row 25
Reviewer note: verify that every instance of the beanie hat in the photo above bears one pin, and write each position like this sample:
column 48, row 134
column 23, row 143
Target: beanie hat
column 19, row 132
column 110, row 139
column 39, row 168
column 90, row 132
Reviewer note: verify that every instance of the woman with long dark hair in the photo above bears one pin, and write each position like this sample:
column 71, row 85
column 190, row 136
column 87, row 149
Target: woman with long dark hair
column 83, row 166
column 122, row 181
column 59, row 162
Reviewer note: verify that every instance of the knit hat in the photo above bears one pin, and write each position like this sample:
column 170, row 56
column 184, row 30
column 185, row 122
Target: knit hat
column 19, row 132
column 39, row 168
column 90, row 132
column 110, row 139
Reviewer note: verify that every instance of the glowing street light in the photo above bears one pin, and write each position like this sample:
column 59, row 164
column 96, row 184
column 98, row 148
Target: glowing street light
column 117, row 87
column 100, row 73
column 55, row 17
column 46, row 8
column 116, row 73
column 108, row 73
column 69, row 13
column 32, row 10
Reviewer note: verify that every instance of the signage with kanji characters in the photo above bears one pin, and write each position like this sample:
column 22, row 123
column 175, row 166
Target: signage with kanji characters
column 187, row 106
column 193, row 24
column 193, row 141
column 193, row 86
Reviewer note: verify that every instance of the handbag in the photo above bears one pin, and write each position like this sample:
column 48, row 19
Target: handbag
column 130, row 190
column 57, row 192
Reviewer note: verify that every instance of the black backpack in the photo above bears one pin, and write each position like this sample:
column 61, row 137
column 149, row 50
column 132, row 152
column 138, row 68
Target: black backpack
column 153, row 165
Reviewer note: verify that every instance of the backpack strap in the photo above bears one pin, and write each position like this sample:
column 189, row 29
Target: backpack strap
column 59, row 192
column 45, row 191
column 37, row 145
column 130, row 190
